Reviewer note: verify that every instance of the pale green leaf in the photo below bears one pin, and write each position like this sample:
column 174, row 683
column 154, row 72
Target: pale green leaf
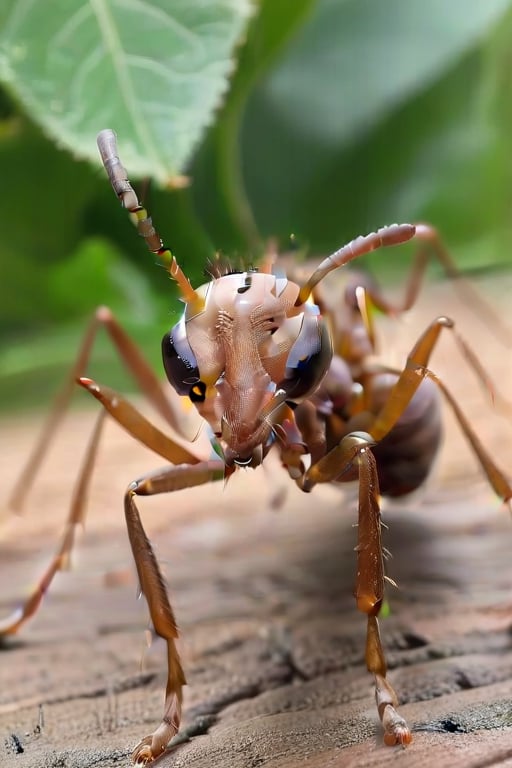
column 153, row 70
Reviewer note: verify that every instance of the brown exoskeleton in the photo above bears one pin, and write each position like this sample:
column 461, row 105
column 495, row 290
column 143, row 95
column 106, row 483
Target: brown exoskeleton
column 257, row 357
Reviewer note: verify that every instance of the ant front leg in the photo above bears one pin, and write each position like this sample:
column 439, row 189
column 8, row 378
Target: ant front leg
column 154, row 589
column 354, row 454
column 189, row 472
column 370, row 594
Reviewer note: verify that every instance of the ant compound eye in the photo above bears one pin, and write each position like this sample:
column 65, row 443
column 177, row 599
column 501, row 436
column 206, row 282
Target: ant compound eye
column 309, row 358
column 179, row 361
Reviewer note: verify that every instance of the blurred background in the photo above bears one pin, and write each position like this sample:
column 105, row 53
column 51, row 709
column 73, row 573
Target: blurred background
column 309, row 121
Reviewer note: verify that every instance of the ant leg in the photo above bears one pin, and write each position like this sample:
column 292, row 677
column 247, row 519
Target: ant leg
column 332, row 465
column 370, row 594
column 429, row 235
column 353, row 459
column 432, row 246
column 140, row 428
column 407, row 384
column 154, row 589
column 132, row 357
column 60, row 561
column 128, row 417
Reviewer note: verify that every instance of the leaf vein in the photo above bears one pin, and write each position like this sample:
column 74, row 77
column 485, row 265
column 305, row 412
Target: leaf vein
column 110, row 36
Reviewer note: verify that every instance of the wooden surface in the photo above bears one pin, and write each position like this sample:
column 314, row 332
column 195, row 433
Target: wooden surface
column 272, row 642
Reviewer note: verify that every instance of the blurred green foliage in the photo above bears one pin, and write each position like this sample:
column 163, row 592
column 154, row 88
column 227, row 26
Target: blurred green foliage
column 340, row 116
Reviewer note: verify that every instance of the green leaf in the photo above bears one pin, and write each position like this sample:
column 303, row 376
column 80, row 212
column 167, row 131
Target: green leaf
column 374, row 114
column 154, row 70
column 358, row 59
